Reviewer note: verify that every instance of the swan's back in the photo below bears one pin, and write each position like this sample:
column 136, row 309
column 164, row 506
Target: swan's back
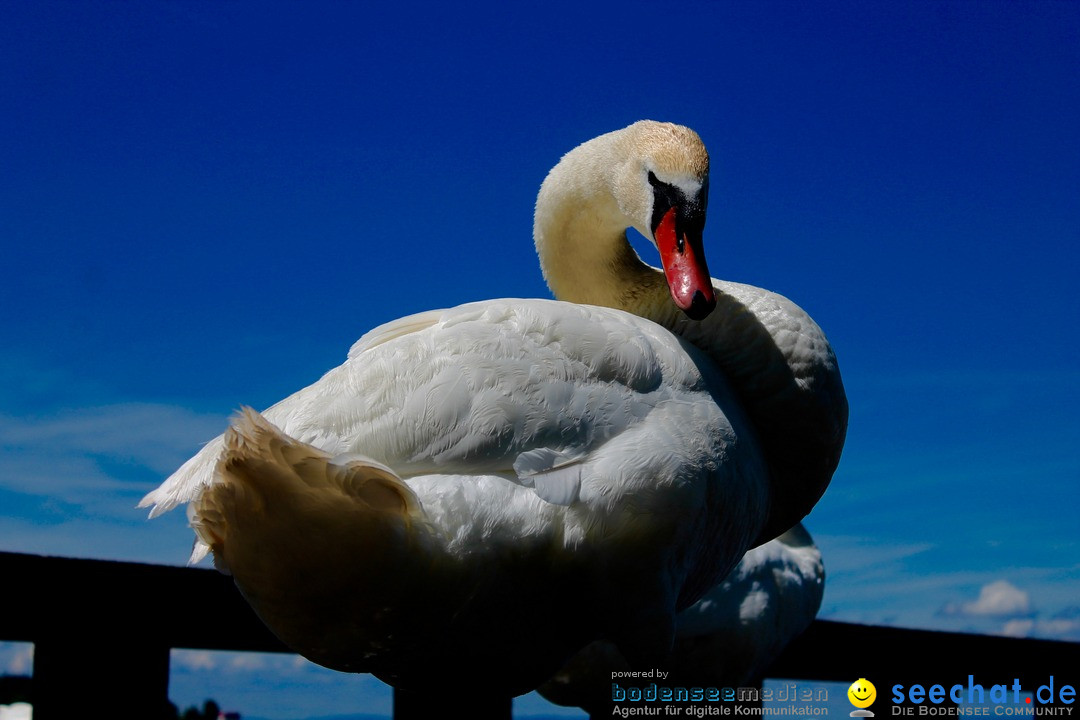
column 514, row 388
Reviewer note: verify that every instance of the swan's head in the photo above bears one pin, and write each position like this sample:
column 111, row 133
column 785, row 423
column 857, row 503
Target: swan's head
column 651, row 176
column 663, row 188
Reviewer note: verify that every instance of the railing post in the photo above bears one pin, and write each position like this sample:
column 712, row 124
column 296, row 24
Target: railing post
column 117, row 674
column 102, row 630
column 436, row 704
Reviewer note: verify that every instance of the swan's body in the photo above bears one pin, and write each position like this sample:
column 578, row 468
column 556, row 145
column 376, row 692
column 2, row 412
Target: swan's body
column 518, row 478
column 728, row 638
column 435, row 576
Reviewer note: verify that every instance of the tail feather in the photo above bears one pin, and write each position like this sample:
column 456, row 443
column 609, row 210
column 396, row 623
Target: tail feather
column 259, row 465
column 186, row 483
column 315, row 543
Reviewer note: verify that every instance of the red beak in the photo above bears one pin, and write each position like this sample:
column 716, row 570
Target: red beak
column 685, row 269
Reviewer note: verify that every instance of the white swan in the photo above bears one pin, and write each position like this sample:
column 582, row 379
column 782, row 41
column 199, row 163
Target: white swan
column 727, row 639
column 479, row 492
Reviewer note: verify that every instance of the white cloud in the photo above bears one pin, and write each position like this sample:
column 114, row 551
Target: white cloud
column 154, row 435
column 1020, row 627
column 250, row 661
column 867, row 579
column 92, row 456
column 193, row 660
column 873, row 581
column 1056, row 628
column 120, row 532
column 224, row 661
column 996, row 599
column 72, row 478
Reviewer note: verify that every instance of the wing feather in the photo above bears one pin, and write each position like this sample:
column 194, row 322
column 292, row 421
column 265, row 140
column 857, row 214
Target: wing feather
column 526, row 390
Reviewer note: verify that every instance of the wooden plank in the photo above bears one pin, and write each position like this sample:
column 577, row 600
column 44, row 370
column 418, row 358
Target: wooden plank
column 121, row 676
column 845, row 652
column 440, row 704
column 173, row 606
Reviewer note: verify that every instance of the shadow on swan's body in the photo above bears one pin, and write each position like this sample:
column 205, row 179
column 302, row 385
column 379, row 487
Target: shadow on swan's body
column 727, row 639
column 479, row 492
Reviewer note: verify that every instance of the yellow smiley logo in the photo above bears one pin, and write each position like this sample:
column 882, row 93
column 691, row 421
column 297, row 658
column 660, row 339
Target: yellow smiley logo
column 862, row 693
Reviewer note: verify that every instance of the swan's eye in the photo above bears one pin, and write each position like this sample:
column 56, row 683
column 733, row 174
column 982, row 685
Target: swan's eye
column 690, row 210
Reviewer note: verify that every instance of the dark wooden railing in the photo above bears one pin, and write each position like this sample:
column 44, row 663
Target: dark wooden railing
column 105, row 629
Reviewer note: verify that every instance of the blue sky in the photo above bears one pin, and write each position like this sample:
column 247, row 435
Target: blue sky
column 203, row 205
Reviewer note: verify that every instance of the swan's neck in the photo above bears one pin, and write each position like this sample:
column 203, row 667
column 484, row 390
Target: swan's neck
column 580, row 235
column 607, row 273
